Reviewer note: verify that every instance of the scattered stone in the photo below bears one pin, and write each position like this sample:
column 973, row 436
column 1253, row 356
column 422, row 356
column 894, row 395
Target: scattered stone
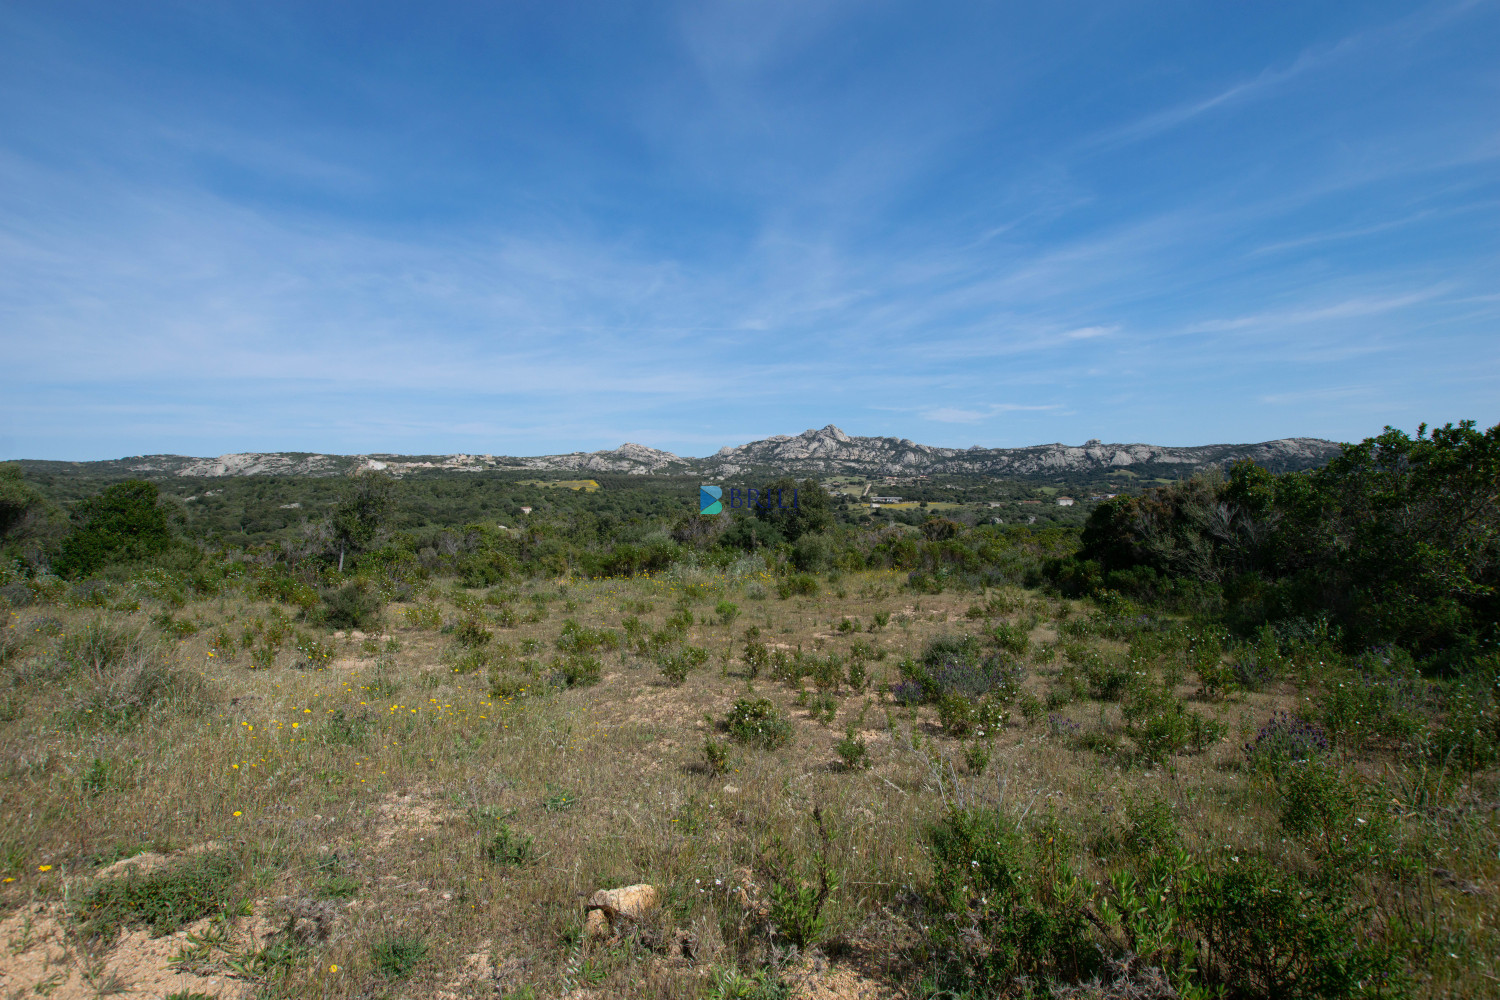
column 731, row 790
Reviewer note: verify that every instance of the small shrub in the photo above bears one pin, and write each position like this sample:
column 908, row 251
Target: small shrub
column 355, row 605
column 470, row 631
column 758, row 722
column 1285, row 740
column 1108, row 678
column 859, row 677
column 1007, row 903
column 852, row 750
column 727, row 611
column 822, row 708
column 797, row 585
column 577, row 671
column 1011, row 638
column 1270, row 935
column 507, row 847
column 977, row 756
column 717, row 756
column 397, row 956
column 578, row 638
column 1161, row 724
column 314, row 653
column 880, row 620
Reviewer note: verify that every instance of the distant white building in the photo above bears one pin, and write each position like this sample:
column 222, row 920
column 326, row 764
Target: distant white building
column 1065, row 501
column 885, row 499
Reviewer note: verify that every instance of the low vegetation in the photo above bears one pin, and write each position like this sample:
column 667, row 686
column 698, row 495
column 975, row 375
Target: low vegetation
column 1240, row 737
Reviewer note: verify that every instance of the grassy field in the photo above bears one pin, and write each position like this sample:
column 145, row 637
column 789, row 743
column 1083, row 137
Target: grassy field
column 425, row 809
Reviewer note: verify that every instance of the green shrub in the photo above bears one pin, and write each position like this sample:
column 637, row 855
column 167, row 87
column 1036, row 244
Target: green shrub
column 977, row 756
column 717, row 756
column 1006, row 904
column 355, row 605
column 1266, row 934
column 123, row 523
column 1011, row 638
column 1162, row 725
column 313, row 652
column 852, row 749
column 576, row 671
column 758, row 722
column 470, row 631
column 507, row 847
column 162, row 900
column 727, row 611
column 578, row 638
column 797, row 585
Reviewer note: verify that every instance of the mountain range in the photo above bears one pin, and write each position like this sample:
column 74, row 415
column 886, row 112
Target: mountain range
column 828, row 451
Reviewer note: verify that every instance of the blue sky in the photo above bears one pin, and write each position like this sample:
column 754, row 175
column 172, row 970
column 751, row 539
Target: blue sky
column 522, row 227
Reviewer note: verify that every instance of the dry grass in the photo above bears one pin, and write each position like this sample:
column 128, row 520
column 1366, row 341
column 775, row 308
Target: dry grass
column 376, row 781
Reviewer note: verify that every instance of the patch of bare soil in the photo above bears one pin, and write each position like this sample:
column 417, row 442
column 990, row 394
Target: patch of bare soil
column 407, row 814
column 41, row 957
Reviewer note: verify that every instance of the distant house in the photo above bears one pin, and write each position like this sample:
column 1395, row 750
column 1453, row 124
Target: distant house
column 1065, row 501
column 525, row 510
column 885, row 499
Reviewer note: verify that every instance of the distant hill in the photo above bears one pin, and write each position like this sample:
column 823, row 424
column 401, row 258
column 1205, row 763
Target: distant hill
column 828, row 451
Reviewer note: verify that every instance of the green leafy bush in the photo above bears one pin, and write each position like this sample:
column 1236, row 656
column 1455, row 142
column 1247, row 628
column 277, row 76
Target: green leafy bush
column 355, row 605
column 1007, row 904
column 470, row 631
column 852, row 749
column 717, row 756
column 758, row 722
